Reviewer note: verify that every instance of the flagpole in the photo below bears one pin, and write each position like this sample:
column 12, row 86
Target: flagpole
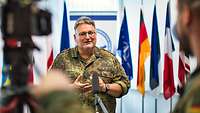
column 156, row 110
column 122, row 7
column 121, row 105
column 156, row 100
column 170, row 28
column 142, row 94
column 142, row 103
column 171, row 105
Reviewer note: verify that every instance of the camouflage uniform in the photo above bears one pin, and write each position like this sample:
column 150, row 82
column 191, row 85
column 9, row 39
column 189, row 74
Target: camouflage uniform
column 102, row 62
column 190, row 101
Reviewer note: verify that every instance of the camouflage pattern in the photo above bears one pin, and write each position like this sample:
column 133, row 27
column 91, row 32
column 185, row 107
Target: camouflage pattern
column 190, row 101
column 61, row 102
column 102, row 62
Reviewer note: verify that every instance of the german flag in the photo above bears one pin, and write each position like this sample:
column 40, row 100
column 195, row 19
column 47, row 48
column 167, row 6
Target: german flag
column 144, row 52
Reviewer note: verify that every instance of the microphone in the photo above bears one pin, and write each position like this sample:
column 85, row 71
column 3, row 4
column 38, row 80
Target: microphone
column 95, row 83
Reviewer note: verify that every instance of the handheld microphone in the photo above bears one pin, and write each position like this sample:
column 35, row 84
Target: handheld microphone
column 95, row 83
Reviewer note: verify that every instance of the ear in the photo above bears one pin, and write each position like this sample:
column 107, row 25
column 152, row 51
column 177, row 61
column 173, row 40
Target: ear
column 186, row 16
column 75, row 38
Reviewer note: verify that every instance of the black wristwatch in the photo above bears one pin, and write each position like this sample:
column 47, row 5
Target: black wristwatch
column 107, row 88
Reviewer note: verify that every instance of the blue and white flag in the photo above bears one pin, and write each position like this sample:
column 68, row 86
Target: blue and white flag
column 124, row 48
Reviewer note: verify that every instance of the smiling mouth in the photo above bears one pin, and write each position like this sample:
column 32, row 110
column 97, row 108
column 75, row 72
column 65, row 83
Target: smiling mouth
column 88, row 42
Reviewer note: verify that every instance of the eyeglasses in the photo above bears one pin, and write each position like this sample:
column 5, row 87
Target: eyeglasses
column 89, row 33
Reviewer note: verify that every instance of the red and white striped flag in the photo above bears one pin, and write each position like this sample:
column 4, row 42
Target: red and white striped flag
column 49, row 53
column 168, row 82
column 183, row 70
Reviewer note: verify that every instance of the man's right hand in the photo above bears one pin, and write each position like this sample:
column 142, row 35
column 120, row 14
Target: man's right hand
column 83, row 87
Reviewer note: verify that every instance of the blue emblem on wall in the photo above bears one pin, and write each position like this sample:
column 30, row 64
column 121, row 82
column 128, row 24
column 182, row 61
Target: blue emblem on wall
column 103, row 40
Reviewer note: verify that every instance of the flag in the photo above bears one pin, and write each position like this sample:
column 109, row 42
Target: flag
column 183, row 70
column 144, row 52
column 30, row 74
column 50, row 59
column 65, row 32
column 155, row 53
column 124, row 47
column 168, row 83
column 49, row 53
column 5, row 80
column 3, row 77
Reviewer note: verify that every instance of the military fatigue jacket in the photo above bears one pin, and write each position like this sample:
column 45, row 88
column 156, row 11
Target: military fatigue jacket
column 190, row 101
column 102, row 62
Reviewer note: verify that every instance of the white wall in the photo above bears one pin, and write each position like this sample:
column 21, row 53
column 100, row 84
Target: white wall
column 132, row 102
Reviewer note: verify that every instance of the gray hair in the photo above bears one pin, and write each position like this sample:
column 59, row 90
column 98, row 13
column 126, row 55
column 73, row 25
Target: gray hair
column 84, row 20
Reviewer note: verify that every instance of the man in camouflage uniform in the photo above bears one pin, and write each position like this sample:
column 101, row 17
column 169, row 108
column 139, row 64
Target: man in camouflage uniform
column 81, row 62
column 188, row 29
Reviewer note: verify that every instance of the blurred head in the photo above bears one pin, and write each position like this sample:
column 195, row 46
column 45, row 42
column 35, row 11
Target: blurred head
column 85, row 33
column 61, row 102
column 187, row 27
column 55, row 94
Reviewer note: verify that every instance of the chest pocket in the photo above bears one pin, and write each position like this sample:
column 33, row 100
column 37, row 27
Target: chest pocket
column 106, row 73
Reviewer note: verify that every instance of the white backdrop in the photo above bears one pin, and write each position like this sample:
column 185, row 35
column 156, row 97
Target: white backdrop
column 132, row 102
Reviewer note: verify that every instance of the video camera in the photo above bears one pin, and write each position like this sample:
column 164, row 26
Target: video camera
column 20, row 20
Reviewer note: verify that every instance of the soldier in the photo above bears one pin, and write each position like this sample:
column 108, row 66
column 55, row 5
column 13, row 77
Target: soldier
column 187, row 27
column 79, row 64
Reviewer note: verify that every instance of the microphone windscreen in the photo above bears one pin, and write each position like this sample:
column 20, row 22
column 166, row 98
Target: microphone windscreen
column 95, row 83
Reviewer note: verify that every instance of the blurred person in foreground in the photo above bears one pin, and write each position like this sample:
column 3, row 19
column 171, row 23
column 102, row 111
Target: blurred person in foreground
column 188, row 30
column 85, row 59
column 54, row 94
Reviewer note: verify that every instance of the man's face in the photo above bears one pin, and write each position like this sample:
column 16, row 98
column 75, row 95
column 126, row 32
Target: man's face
column 182, row 29
column 85, row 37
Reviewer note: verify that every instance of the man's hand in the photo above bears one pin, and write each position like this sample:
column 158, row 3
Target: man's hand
column 102, row 87
column 83, row 87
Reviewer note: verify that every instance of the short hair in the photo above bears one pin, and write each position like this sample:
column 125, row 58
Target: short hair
column 194, row 6
column 84, row 20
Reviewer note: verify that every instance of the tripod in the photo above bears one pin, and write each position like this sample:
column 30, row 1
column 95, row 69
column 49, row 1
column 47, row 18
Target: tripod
column 17, row 94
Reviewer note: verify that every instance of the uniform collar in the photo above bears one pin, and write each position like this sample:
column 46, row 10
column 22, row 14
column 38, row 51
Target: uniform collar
column 75, row 53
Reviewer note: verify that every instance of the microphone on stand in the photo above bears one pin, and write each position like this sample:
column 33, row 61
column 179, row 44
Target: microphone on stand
column 95, row 83
column 95, row 90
